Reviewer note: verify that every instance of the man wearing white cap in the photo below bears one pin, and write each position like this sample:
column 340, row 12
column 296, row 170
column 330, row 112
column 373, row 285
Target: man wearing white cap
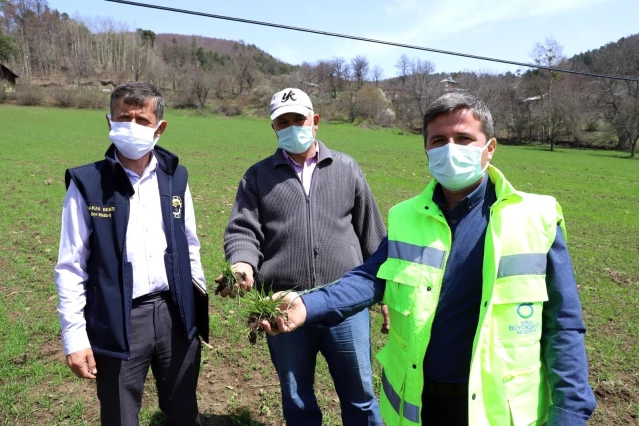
column 307, row 215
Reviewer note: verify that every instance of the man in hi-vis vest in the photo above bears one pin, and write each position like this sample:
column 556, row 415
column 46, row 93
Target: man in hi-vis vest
column 486, row 324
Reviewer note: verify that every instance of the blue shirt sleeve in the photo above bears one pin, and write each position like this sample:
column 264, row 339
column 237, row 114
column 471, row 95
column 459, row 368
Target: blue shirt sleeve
column 354, row 292
column 562, row 340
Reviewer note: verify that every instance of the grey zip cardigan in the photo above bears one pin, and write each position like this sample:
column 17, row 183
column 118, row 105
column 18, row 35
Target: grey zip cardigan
column 295, row 241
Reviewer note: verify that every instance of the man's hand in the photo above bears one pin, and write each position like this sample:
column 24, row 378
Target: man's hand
column 386, row 325
column 295, row 309
column 82, row 364
column 243, row 276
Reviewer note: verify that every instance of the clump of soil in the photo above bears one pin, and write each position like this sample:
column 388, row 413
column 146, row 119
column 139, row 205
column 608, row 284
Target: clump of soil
column 254, row 323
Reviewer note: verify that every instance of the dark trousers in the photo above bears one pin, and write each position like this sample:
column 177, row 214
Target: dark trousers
column 444, row 410
column 157, row 340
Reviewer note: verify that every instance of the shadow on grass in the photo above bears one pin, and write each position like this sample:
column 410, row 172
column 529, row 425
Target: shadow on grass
column 620, row 155
column 241, row 419
column 562, row 150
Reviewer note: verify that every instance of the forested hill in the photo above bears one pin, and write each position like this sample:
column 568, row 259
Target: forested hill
column 221, row 50
column 593, row 58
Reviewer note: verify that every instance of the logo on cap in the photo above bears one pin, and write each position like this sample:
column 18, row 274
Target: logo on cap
column 290, row 95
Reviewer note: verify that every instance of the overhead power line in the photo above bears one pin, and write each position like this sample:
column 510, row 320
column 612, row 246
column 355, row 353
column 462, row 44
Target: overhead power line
column 369, row 40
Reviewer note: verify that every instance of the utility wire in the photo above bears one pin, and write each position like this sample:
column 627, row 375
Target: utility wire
column 369, row 40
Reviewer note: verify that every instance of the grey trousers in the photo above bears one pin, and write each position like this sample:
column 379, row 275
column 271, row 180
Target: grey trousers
column 157, row 340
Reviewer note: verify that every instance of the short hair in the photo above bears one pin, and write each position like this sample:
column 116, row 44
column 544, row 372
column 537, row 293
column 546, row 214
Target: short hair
column 452, row 102
column 138, row 94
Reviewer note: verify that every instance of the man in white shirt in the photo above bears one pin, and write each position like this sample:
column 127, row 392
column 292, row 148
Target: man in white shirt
column 128, row 255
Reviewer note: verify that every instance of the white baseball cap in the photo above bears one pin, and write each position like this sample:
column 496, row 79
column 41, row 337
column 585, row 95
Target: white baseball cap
column 290, row 100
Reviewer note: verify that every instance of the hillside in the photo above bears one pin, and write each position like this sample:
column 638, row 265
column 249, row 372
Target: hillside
column 266, row 62
column 589, row 57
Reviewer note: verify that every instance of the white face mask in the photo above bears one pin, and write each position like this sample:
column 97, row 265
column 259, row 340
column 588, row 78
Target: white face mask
column 456, row 167
column 295, row 139
column 131, row 139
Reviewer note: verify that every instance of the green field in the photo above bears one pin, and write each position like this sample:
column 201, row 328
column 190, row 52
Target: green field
column 599, row 192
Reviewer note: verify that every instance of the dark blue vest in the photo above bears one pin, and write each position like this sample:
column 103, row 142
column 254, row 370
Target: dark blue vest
column 106, row 190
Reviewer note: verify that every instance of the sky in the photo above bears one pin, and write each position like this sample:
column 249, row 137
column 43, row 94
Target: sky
column 503, row 29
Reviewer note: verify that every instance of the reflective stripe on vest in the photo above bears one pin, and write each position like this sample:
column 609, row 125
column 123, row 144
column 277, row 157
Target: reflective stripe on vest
column 429, row 256
column 522, row 264
column 411, row 411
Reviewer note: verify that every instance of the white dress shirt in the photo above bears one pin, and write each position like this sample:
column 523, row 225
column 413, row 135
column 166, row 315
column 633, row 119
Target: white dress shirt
column 145, row 248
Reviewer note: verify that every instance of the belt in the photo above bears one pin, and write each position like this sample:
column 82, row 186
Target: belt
column 151, row 297
column 445, row 389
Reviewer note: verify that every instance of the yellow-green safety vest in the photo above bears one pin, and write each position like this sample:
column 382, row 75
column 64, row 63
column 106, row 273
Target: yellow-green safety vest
column 507, row 383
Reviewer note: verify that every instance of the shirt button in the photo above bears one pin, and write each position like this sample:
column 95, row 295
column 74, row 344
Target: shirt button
column 454, row 222
column 474, row 396
column 428, row 288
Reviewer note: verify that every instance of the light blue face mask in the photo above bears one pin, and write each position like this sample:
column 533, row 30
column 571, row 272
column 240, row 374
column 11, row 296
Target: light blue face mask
column 295, row 139
column 456, row 167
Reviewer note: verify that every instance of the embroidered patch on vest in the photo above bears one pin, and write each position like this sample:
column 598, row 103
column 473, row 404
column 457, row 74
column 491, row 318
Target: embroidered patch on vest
column 177, row 207
column 101, row 211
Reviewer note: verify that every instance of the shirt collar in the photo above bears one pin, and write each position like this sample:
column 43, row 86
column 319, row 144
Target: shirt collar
column 468, row 202
column 310, row 160
column 153, row 164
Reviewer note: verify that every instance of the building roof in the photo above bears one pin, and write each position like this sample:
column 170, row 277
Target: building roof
column 4, row 70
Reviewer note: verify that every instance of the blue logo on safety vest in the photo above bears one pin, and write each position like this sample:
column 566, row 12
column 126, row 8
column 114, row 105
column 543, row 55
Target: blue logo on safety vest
column 525, row 310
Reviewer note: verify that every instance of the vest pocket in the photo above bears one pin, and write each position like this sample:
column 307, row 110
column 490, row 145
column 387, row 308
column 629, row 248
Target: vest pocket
column 397, row 297
column 517, row 325
column 517, row 309
column 526, row 409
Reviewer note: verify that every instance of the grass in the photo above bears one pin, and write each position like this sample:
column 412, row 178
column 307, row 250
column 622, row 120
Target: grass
column 598, row 190
column 256, row 306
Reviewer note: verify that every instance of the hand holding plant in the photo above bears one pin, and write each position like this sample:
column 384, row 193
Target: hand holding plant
column 292, row 306
column 234, row 279
column 265, row 312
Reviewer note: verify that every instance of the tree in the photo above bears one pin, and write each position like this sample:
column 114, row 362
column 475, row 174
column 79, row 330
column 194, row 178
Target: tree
column 420, row 87
column 374, row 106
column 201, row 86
column 359, row 68
column 80, row 61
column 177, row 57
column 245, row 72
column 7, row 49
column 549, row 54
column 378, row 74
column 338, row 74
column 403, row 67
column 146, row 38
column 619, row 100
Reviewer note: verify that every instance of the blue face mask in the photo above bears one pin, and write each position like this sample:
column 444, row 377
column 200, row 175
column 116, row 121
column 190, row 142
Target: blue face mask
column 456, row 167
column 295, row 139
